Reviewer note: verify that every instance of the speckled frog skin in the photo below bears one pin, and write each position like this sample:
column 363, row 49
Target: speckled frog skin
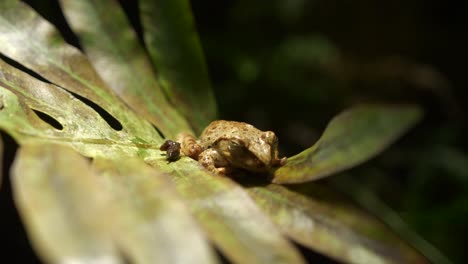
column 228, row 145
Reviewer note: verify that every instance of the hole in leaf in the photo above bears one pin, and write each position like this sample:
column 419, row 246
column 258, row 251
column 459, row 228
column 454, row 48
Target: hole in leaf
column 22, row 68
column 89, row 159
column 51, row 11
column 159, row 131
column 133, row 14
column 48, row 119
column 123, row 254
column 312, row 256
column 223, row 259
column 110, row 120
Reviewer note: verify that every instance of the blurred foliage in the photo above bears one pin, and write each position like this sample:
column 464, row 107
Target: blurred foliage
column 289, row 65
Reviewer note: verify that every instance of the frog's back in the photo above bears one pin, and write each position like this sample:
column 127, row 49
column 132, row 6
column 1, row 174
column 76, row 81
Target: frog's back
column 222, row 129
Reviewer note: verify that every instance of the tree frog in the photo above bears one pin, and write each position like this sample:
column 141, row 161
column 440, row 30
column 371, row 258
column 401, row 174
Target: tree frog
column 228, row 145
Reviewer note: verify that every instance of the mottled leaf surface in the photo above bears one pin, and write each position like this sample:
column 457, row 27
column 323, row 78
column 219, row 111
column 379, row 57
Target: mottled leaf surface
column 325, row 222
column 351, row 138
column 62, row 205
column 175, row 50
column 113, row 48
column 368, row 199
column 81, row 126
column 33, row 42
column 152, row 225
column 231, row 219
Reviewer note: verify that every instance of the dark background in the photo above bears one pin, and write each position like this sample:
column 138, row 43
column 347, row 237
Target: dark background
column 291, row 65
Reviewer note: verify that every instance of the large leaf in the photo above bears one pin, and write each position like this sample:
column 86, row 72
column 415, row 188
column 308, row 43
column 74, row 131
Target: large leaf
column 33, row 42
column 351, row 138
column 152, row 224
column 369, row 200
column 240, row 230
column 325, row 222
column 77, row 213
column 81, row 126
column 62, row 205
column 113, row 48
column 175, row 49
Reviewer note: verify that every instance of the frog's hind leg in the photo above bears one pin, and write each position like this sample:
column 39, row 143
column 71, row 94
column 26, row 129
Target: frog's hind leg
column 213, row 162
column 189, row 145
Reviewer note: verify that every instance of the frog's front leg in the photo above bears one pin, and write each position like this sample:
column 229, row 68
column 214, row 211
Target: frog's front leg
column 189, row 145
column 212, row 161
column 278, row 162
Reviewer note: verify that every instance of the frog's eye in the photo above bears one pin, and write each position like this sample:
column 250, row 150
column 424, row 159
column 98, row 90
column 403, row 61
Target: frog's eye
column 269, row 137
column 275, row 139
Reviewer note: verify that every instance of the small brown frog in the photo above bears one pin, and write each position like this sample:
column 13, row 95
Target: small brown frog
column 228, row 145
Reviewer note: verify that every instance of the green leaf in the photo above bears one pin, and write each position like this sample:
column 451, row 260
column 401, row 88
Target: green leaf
column 328, row 224
column 33, row 42
column 152, row 224
column 351, row 138
column 62, row 206
column 114, row 50
column 367, row 199
column 79, row 214
column 230, row 218
column 175, row 49
column 82, row 127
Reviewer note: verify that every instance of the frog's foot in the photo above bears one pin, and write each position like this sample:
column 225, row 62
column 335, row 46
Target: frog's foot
column 189, row 145
column 224, row 170
column 277, row 162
